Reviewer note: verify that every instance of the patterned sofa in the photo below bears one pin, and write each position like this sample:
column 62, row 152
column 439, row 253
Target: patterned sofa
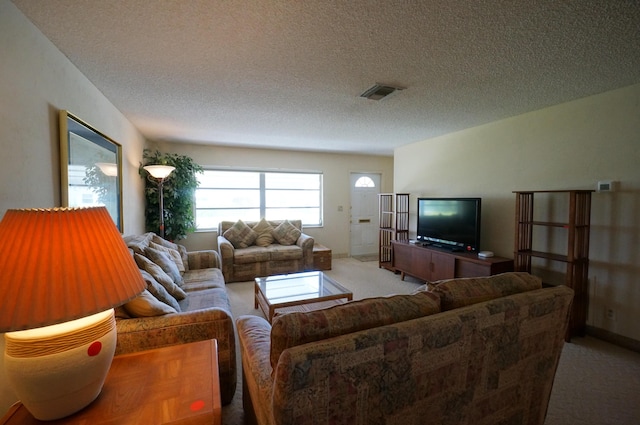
column 202, row 312
column 467, row 351
column 263, row 248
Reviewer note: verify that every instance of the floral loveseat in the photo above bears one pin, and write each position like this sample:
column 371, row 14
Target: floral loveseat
column 470, row 351
column 264, row 248
column 185, row 301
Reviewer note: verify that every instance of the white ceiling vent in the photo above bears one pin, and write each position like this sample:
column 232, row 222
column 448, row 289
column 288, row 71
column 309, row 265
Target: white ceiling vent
column 380, row 91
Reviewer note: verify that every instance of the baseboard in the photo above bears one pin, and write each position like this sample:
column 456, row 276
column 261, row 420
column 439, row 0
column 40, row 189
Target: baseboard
column 619, row 340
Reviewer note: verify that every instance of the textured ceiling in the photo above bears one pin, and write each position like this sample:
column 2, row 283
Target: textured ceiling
column 288, row 74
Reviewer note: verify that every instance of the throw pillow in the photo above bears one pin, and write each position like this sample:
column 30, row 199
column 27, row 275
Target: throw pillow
column 264, row 231
column 160, row 276
column 292, row 329
column 121, row 313
column 174, row 254
column 159, row 291
column 240, row 235
column 180, row 248
column 138, row 242
column 165, row 262
column 146, row 305
column 455, row 293
column 286, row 233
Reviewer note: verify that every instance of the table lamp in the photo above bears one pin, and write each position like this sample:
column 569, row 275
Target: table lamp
column 160, row 172
column 63, row 271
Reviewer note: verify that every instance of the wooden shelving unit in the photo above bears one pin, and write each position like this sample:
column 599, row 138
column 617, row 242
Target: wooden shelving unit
column 393, row 225
column 575, row 230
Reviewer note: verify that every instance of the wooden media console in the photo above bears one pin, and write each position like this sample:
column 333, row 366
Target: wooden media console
column 431, row 264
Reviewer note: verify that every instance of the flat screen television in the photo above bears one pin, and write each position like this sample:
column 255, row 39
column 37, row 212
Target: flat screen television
column 450, row 223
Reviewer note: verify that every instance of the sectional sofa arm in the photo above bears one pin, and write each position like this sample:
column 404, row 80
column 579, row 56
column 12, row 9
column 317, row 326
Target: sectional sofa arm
column 226, row 252
column 306, row 243
column 254, row 335
column 205, row 259
column 144, row 333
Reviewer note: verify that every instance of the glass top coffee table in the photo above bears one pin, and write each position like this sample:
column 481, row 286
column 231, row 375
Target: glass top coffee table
column 304, row 291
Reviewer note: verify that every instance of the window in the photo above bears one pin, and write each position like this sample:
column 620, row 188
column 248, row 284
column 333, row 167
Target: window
column 365, row 181
column 251, row 195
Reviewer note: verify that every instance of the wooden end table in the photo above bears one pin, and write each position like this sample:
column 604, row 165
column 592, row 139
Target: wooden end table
column 321, row 257
column 170, row 385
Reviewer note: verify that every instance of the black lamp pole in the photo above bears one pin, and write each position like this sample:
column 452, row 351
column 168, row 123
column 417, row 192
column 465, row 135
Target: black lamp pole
column 161, row 201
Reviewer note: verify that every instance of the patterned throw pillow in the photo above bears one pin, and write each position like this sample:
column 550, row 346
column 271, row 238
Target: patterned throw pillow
column 146, row 305
column 286, row 233
column 159, row 291
column 174, row 254
column 138, row 242
column 180, row 248
column 240, row 235
column 165, row 262
column 264, row 231
column 160, row 276
column 292, row 329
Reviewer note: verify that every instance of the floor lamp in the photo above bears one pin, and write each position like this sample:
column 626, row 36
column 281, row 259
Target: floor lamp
column 159, row 173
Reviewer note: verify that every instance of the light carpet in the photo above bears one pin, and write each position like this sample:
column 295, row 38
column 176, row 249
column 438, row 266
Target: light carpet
column 367, row 257
column 597, row 383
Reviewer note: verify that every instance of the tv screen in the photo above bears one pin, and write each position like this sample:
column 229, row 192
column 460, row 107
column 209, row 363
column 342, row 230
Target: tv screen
column 452, row 223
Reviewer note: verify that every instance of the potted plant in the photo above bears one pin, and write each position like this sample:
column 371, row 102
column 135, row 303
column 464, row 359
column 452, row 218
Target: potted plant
column 178, row 194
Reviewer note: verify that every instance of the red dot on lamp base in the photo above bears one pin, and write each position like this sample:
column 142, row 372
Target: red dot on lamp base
column 94, row 349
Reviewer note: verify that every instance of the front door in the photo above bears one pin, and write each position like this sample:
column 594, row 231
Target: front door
column 364, row 213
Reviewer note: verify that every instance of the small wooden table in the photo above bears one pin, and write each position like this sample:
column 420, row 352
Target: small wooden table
column 305, row 291
column 321, row 257
column 170, row 385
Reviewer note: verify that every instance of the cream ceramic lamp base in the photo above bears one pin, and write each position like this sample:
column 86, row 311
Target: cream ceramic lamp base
column 58, row 370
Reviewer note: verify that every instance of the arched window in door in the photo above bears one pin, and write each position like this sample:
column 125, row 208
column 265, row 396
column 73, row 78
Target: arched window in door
column 365, row 181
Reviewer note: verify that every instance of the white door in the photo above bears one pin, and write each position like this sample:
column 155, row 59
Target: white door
column 364, row 213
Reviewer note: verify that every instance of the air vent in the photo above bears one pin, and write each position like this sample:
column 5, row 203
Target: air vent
column 380, row 91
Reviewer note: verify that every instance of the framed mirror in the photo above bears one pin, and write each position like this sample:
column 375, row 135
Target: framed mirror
column 90, row 167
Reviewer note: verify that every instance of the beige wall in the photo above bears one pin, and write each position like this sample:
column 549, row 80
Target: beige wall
column 336, row 169
column 37, row 81
column 570, row 146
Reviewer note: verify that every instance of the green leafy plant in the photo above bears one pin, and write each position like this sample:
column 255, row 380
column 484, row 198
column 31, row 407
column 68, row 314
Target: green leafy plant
column 178, row 194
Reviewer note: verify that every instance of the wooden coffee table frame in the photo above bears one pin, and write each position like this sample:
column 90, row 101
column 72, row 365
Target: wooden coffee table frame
column 332, row 293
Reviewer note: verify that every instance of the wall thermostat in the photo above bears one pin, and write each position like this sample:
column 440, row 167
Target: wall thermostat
column 605, row 186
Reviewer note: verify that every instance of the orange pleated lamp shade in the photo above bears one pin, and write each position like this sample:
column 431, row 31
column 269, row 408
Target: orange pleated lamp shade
column 62, row 264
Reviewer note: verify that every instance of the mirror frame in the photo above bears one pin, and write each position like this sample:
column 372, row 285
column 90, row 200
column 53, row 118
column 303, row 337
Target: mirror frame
column 73, row 129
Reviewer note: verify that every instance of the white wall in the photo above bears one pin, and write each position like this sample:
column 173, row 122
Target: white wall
column 336, row 169
column 570, row 146
column 37, row 81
